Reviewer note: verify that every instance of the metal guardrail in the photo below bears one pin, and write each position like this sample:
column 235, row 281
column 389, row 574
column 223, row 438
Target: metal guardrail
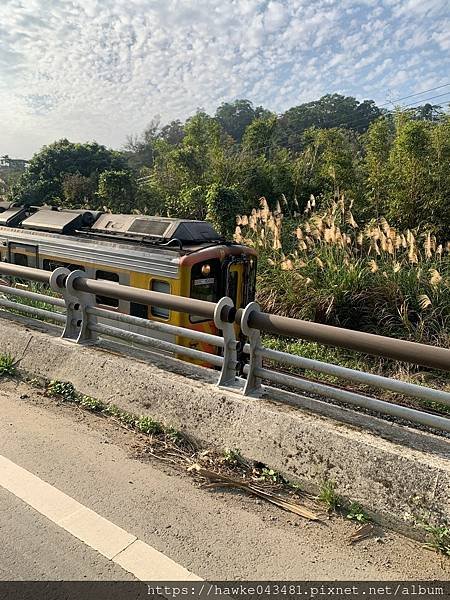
column 83, row 322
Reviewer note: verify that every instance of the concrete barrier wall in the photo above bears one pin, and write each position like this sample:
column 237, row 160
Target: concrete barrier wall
column 397, row 482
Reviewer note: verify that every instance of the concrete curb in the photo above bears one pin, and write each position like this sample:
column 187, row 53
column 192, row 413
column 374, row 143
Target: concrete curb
column 395, row 482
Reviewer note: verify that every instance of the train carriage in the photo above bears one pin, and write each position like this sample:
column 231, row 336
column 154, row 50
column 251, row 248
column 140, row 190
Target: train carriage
column 174, row 256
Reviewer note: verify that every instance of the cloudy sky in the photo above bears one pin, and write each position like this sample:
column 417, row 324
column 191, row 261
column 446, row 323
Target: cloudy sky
column 101, row 69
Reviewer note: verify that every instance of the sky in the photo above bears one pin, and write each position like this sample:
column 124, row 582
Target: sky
column 102, row 69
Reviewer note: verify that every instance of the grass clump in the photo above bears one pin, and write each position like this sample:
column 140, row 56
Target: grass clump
column 232, row 457
column 143, row 424
column 323, row 266
column 329, row 497
column 148, row 425
column 357, row 513
column 7, row 365
column 125, row 418
column 37, row 288
column 62, row 389
column 439, row 538
column 92, row 404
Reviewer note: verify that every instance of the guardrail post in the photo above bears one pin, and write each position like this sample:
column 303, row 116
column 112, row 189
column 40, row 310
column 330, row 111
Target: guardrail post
column 71, row 330
column 252, row 385
column 228, row 374
column 84, row 300
column 78, row 321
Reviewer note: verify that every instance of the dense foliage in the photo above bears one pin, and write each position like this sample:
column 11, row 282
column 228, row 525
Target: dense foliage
column 47, row 179
column 397, row 165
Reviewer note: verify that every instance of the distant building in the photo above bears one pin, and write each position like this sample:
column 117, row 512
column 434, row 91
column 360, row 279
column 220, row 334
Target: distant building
column 13, row 163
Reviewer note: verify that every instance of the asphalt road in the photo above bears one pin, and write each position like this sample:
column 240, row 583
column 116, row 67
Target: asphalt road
column 220, row 535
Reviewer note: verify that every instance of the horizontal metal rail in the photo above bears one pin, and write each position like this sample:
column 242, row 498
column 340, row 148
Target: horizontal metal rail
column 192, row 334
column 12, row 291
column 199, row 308
column 143, row 340
column 25, row 272
column 192, row 306
column 368, row 343
column 386, row 383
column 33, row 311
column 380, row 406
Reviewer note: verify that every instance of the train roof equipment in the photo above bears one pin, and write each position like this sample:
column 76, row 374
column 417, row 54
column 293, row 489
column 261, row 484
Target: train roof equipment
column 162, row 229
column 126, row 228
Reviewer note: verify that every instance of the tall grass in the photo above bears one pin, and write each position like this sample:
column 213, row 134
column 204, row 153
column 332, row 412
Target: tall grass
column 326, row 267
column 38, row 288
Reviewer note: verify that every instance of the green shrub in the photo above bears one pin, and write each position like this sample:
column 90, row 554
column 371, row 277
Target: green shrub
column 148, row 425
column 92, row 403
column 357, row 513
column 62, row 389
column 231, row 457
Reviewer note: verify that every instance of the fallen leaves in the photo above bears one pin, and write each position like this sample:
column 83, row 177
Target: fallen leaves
column 361, row 533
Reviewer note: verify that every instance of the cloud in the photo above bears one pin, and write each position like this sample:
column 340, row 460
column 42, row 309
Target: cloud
column 86, row 69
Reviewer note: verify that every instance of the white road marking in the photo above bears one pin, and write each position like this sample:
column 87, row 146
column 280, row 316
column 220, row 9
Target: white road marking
column 148, row 564
column 113, row 542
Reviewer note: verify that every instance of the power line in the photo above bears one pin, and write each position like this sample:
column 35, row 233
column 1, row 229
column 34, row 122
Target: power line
column 427, row 99
column 354, row 122
column 361, row 120
column 391, row 112
column 416, row 94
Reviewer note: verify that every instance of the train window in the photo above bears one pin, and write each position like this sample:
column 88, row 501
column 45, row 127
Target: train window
column 138, row 310
column 20, row 259
column 233, row 286
column 24, row 255
column 107, row 276
column 51, row 265
column 164, row 288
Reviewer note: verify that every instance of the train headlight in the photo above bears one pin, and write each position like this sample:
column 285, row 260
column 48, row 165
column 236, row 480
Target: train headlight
column 206, row 270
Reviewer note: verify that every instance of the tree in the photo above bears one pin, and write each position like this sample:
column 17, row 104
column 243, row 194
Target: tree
column 42, row 182
column 334, row 168
column 330, row 111
column 427, row 112
column 190, row 203
column 373, row 160
column 235, row 117
column 410, row 179
column 420, row 182
column 223, row 205
column 378, row 143
column 190, row 164
column 259, row 137
column 141, row 149
column 172, row 133
column 116, row 191
column 79, row 191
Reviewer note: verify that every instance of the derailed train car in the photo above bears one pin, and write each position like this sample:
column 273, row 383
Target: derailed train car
column 173, row 256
